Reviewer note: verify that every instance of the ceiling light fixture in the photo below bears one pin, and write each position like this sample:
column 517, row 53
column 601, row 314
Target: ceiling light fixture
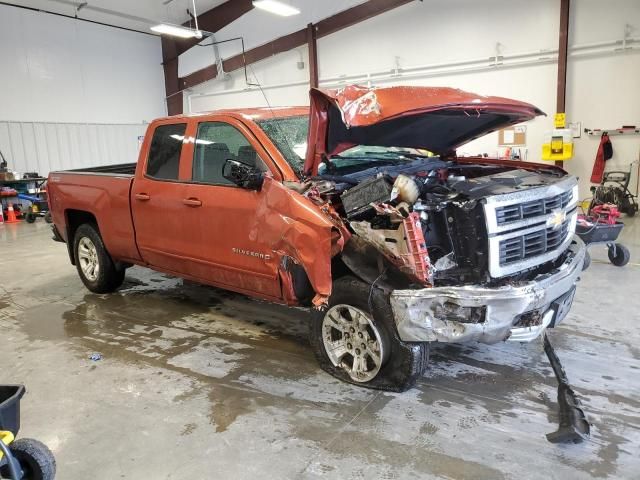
column 276, row 7
column 176, row 31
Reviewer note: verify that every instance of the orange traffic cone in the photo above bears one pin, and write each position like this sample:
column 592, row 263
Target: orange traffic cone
column 11, row 215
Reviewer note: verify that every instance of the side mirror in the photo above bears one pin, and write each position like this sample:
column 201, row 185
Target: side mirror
column 243, row 175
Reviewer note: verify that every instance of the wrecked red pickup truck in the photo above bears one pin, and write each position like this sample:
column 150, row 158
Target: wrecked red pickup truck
column 357, row 207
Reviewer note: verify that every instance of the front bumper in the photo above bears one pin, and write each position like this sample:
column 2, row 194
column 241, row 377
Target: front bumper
column 434, row 314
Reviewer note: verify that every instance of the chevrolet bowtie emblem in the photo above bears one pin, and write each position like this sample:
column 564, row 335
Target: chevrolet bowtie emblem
column 556, row 219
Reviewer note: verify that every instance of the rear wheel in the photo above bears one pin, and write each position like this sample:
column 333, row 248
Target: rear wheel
column 356, row 340
column 47, row 217
column 30, row 217
column 94, row 264
column 619, row 255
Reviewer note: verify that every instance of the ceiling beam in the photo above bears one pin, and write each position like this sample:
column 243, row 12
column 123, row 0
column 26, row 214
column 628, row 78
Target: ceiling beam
column 211, row 21
column 357, row 14
column 279, row 45
column 296, row 39
column 215, row 19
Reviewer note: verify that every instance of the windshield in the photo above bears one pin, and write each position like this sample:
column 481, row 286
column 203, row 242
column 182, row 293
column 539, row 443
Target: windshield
column 289, row 135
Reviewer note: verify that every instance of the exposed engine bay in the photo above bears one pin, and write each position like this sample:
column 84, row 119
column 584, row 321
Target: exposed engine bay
column 423, row 224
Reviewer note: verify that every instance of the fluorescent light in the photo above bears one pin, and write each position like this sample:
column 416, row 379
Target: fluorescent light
column 274, row 6
column 176, row 31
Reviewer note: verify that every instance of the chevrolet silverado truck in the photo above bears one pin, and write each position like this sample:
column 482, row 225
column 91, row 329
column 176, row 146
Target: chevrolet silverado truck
column 356, row 207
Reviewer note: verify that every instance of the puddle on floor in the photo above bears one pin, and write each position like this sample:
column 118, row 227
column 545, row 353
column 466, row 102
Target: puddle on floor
column 45, row 322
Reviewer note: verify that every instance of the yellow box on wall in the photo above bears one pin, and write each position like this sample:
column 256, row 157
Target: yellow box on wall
column 558, row 145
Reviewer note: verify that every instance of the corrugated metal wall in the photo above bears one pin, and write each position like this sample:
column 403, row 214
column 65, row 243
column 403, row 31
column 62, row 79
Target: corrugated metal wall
column 44, row 146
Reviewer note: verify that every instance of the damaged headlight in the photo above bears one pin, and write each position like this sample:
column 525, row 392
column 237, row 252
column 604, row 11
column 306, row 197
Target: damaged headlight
column 455, row 313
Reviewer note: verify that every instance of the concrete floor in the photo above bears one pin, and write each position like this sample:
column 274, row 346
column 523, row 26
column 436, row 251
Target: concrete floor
column 200, row 383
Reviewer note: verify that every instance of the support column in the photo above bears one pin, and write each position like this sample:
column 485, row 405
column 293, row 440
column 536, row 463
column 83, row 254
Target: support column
column 171, row 81
column 563, row 45
column 313, row 55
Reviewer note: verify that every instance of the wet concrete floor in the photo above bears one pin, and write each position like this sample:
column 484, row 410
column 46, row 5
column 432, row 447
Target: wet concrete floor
column 200, row 383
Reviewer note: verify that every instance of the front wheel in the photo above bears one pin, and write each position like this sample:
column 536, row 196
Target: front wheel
column 587, row 260
column 356, row 340
column 95, row 266
column 36, row 460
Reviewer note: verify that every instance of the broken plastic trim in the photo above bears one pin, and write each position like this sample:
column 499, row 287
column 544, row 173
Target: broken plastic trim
column 574, row 426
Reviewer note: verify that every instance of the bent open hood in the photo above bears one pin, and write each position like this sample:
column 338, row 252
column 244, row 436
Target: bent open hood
column 437, row 119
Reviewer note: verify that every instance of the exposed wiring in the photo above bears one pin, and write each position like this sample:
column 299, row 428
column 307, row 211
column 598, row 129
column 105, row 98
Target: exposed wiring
column 273, row 115
column 244, row 60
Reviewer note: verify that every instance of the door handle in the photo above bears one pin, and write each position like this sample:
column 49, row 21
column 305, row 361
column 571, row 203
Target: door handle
column 192, row 202
column 143, row 197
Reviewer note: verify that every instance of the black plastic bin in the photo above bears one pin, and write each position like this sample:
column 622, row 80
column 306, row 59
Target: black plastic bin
column 600, row 232
column 10, row 396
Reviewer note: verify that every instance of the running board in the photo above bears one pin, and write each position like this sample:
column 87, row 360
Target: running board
column 574, row 426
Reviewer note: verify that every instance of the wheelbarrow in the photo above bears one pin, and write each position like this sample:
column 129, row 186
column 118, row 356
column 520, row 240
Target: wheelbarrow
column 601, row 226
column 25, row 458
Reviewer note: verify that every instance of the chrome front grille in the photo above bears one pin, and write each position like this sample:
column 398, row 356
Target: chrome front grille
column 531, row 209
column 529, row 227
column 532, row 244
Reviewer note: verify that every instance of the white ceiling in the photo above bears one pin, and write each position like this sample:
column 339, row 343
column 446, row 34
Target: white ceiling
column 136, row 14
column 256, row 26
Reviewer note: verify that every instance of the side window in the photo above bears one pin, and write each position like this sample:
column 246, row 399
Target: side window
column 164, row 154
column 217, row 142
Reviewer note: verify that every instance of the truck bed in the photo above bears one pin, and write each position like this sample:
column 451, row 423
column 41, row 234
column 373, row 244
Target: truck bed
column 100, row 195
column 119, row 169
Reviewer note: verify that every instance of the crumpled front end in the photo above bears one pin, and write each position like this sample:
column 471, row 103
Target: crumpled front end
column 519, row 312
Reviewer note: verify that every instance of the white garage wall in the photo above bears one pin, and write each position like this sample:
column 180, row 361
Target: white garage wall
column 60, row 77
column 602, row 87
column 604, row 91
column 44, row 146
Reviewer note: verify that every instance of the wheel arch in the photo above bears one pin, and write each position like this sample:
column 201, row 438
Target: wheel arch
column 73, row 220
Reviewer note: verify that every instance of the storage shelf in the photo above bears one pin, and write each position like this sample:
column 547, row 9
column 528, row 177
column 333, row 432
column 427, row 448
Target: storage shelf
column 612, row 131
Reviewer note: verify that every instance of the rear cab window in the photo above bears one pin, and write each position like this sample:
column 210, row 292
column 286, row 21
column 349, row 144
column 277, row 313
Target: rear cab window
column 163, row 162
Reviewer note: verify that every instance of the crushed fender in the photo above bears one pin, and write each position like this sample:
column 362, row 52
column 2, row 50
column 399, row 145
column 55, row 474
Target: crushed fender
column 574, row 427
column 311, row 242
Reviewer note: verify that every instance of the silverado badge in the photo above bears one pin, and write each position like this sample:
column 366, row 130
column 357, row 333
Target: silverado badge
column 556, row 219
column 249, row 253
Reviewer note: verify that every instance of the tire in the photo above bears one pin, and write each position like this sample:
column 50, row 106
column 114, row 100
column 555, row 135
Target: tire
column 36, row 460
column 29, row 217
column 89, row 250
column 47, row 217
column 400, row 363
column 621, row 257
column 587, row 261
